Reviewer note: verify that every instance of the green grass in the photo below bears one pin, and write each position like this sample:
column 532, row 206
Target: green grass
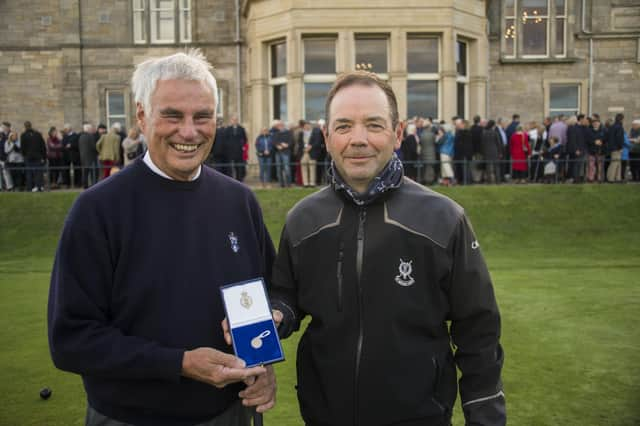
column 565, row 261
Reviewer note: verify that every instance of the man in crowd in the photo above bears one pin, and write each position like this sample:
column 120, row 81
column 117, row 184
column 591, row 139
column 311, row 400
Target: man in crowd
column 135, row 298
column 88, row 155
column 615, row 142
column 283, row 144
column 378, row 349
column 34, row 150
column 71, row 157
column 235, row 142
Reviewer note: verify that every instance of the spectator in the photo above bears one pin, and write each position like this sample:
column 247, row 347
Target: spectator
column 319, row 151
column 463, row 143
column 15, row 161
column 71, row 157
column 108, row 147
column 88, row 155
column 445, row 142
column 551, row 156
column 54, row 155
column 307, row 163
column 132, row 146
column 428, row 153
column 282, row 142
column 513, row 126
column 477, row 159
column 634, row 150
column 6, row 183
column 235, row 141
column 263, row 151
column 520, row 151
column 615, row 140
column 575, row 148
column 491, row 151
column 597, row 151
column 505, row 166
column 409, row 149
column 34, row 151
column 217, row 157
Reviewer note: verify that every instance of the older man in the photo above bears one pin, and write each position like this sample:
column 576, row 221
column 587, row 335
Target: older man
column 382, row 264
column 135, row 305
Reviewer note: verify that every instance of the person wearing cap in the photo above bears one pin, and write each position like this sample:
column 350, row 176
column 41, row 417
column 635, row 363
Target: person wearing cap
column 134, row 303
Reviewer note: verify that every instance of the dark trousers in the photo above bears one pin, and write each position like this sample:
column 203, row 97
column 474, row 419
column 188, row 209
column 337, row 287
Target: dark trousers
column 35, row 177
column 55, row 169
column 88, row 174
column 17, row 175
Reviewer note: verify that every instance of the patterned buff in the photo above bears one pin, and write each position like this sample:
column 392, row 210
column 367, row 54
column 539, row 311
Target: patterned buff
column 389, row 178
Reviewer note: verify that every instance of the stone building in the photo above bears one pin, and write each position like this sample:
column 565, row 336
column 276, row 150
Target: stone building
column 71, row 61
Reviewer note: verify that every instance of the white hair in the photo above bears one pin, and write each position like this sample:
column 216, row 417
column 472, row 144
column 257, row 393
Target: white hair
column 411, row 129
column 117, row 126
column 87, row 127
column 190, row 65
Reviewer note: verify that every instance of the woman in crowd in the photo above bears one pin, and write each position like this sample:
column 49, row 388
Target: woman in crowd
column 15, row 161
column 445, row 141
column 132, row 146
column 264, row 149
column 520, row 151
column 409, row 150
column 54, row 155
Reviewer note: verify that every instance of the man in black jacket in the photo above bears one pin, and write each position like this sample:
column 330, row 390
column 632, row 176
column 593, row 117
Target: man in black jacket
column 615, row 143
column 382, row 265
column 34, row 151
column 235, row 141
column 577, row 147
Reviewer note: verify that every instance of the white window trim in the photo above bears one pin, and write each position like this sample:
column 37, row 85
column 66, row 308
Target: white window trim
column 428, row 76
column 220, row 106
column 141, row 11
column 156, row 10
column 122, row 118
column 582, row 98
column 317, row 78
column 276, row 81
column 187, row 38
column 552, row 20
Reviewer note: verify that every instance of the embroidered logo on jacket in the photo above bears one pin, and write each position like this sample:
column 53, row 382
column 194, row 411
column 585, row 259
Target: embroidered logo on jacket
column 404, row 278
column 234, row 242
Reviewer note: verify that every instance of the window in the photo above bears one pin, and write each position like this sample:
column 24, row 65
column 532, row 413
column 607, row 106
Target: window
column 161, row 20
column 115, row 107
column 423, row 59
column 564, row 99
column 220, row 109
column 371, row 53
column 319, row 74
column 462, row 78
column 534, row 28
column 278, row 80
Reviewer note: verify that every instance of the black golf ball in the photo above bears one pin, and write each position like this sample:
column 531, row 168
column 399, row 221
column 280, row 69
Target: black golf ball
column 45, row 393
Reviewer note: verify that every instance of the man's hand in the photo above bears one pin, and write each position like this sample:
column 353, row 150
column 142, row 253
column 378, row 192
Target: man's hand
column 216, row 368
column 277, row 319
column 260, row 391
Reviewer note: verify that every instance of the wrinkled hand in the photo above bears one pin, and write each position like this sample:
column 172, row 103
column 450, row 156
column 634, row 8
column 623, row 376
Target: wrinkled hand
column 216, row 368
column 260, row 391
column 277, row 319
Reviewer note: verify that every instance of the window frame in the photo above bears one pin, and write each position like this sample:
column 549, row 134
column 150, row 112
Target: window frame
column 518, row 18
column 122, row 118
column 463, row 79
column 148, row 11
column 279, row 80
column 374, row 36
column 582, row 95
column 316, row 77
column 435, row 76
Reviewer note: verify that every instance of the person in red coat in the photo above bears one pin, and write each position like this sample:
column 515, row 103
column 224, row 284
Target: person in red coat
column 520, row 151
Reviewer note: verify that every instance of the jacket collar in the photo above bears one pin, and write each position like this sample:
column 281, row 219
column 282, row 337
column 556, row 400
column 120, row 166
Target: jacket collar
column 388, row 179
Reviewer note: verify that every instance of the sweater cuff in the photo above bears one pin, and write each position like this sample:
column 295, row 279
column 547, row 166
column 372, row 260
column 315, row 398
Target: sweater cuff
column 168, row 364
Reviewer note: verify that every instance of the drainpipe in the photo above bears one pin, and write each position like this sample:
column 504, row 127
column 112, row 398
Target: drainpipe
column 589, row 33
column 238, row 64
column 81, row 62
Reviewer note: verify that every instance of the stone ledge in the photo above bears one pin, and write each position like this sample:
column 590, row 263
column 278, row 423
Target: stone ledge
column 517, row 61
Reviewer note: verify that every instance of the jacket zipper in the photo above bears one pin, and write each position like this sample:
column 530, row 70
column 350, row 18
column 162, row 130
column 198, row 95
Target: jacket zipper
column 359, row 261
column 339, row 275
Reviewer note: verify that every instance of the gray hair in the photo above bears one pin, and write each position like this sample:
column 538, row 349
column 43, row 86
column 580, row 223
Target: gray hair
column 87, row 127
column 190, row 65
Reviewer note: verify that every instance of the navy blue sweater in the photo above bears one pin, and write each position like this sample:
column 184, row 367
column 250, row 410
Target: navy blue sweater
column 136, row 283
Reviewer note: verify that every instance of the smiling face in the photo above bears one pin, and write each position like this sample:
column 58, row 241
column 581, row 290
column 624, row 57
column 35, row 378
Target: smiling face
column 361, row 138
column 181, row 127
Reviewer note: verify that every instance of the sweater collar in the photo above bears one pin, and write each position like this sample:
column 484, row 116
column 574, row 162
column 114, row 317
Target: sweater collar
column 147, row 160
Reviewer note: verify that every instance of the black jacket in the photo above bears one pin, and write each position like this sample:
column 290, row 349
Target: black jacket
column 318, row 149
column 234, row 140
column 615, row 138
column 380, row 283
column 33, row 146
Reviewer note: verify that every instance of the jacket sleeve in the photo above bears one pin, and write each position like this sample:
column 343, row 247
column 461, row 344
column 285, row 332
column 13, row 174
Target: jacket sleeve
column 284, row 288
column 81, row 337
column 475, row 331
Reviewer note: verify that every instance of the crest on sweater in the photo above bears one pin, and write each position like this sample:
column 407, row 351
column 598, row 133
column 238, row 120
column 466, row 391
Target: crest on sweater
column 233, row 240
column 404, row 277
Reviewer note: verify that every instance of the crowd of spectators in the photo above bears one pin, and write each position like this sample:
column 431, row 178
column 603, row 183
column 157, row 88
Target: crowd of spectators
column 574, row 149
